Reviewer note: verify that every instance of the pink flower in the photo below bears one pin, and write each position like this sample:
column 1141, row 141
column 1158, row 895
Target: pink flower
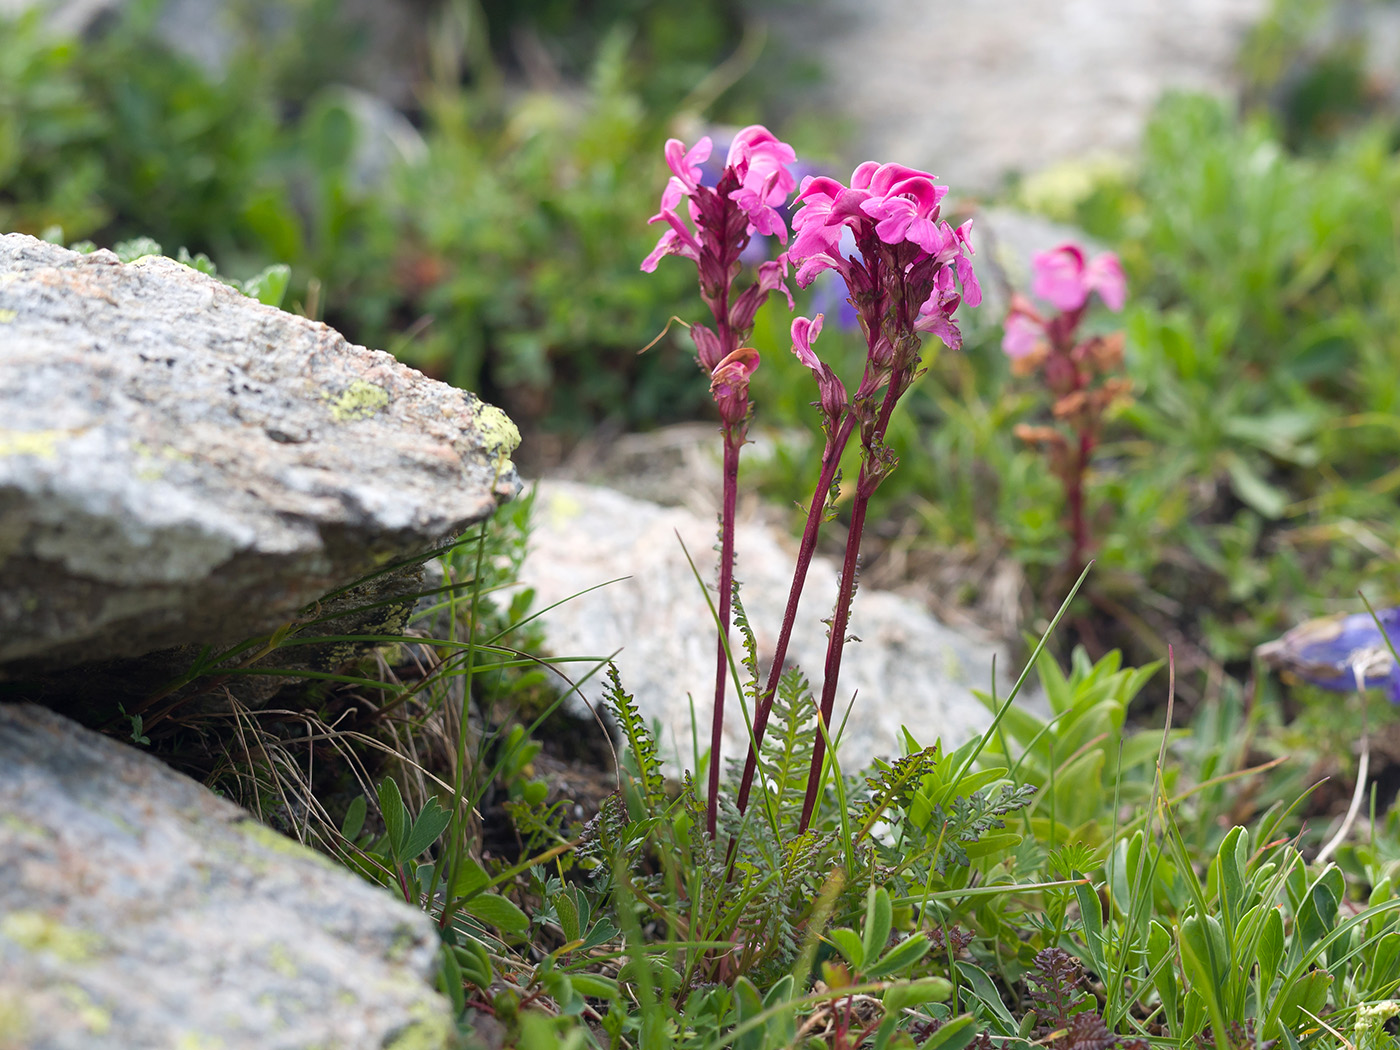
column 757, row 162
column 1063, row 278
column 1022, row 335
column 896, row 206
column 830, row 390
column 729, row 384
column 804, row 332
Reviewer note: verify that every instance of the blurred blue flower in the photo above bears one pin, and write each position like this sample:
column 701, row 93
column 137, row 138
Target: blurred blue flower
column 1334, row 651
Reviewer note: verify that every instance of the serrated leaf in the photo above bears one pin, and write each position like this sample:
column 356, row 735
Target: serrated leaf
column 602, row 932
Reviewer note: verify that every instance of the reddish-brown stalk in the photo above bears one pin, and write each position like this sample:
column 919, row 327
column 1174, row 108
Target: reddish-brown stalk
column 831, row 460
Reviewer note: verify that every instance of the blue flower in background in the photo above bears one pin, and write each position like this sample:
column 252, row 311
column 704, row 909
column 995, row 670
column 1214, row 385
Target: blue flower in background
column 1333, row 651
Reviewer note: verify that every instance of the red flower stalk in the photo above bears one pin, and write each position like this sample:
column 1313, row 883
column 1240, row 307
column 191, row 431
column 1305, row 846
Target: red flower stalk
column 903, row 281
column 1074, row 371
column 754, row 183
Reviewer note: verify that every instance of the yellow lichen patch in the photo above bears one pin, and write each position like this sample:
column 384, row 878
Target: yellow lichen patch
column 359, row 400
column 36, row 932
column 500, row 435
column 198, row 1041
column 428, row 1031
column 14, row 1022
column 41, row 443
column 6, row 316
column 153, row 460
column 265, row 836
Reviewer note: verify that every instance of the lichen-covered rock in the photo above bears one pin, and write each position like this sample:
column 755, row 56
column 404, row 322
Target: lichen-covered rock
column 181, row 465
column 907, row 669
column 139, row 910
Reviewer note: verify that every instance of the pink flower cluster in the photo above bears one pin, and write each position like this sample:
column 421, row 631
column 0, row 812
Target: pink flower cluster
column 1065, row 279
column 906, row 274
column 759, row 183
column 904, row 250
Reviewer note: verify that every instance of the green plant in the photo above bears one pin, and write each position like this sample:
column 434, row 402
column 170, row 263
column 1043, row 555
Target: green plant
column 1082, row 758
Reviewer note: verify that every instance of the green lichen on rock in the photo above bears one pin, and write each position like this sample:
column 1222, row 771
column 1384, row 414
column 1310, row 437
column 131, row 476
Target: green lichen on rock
column 14, row 1022
column 41, row 443
column 499, row 434
column 36, row 932
column 359, row 400
column 95, row 1018
column 266, row 837
column 429, row 1030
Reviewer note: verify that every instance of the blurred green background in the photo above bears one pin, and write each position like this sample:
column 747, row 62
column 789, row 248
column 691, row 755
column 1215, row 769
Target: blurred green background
column 487, row 227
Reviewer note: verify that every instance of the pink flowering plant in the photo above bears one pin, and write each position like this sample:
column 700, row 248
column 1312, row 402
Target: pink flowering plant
column 909, row 272
column 1077, row 372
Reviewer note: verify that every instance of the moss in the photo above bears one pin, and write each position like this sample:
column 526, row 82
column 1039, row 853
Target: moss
column 34, row 931
column 359, row 400
column 41, row 443
column 500, row 435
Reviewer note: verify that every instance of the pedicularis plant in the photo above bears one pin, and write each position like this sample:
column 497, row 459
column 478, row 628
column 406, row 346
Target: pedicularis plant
column 908, row 275
column 1076, row 372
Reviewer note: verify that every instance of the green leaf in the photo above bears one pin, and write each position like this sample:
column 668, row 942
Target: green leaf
column 470, row 879
column 270, row 286
column 396, row 816
column 602, row 932
column 499, row 912
column 1091, row 918
column 748, row 1004
column 354, row 821
column 954, row 1035
column 879, row 916
column 426, row 829
column 1269, row 954
column 982, row 988
column 907, row 994
column 1161, row 961
column 848, row 943
column 902, row 955
column 1232, row 857
column 1253, row 490
column 595, row 985
column 567, row 910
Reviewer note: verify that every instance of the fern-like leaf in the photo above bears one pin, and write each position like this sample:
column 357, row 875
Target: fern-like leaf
column 640, row 743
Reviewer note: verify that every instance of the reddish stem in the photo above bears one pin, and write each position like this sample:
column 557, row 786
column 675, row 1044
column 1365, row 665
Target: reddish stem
column 870, row 477
column 831, row 460
column 733, row 441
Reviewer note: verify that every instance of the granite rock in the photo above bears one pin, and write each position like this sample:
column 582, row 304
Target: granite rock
column 182, row 465
column 908, row 669
column 137, row 909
